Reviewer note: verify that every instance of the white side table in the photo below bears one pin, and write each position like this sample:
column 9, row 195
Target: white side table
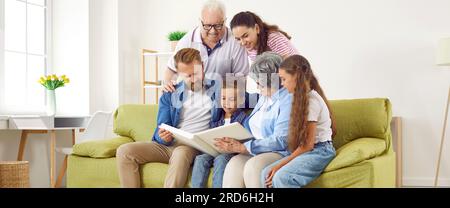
column 46, row 125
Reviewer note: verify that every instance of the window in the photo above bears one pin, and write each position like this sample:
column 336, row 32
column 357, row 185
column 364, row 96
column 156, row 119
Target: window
column 24, row 54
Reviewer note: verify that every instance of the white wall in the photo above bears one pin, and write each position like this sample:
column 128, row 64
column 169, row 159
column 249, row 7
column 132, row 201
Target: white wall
column 359, row 49
column 70, row 54
column 104, row 58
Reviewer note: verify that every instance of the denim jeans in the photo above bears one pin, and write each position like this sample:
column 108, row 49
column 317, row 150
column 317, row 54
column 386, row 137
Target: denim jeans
column 303, row 169
column 202, row 166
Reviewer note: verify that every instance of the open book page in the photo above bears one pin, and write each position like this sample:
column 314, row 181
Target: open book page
column 204, row 141
column 234, row 130
column 189, row 139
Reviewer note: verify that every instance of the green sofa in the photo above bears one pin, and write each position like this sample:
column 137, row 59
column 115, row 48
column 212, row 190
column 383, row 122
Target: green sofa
column 364, row 158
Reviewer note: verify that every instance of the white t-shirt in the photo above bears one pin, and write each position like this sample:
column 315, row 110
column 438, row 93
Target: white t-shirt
column 227, row 121
column 196, row 113
column 318, row 112
column 256, row 120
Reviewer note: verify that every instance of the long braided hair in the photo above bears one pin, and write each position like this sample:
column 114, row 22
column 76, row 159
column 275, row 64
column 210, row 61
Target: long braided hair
column 299, row 67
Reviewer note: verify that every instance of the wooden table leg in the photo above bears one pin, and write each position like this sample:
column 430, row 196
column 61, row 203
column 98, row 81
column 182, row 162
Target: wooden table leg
column 52, row 158
column 73, row 137
column 62, row 172
column 399, row 154
column 23, row 142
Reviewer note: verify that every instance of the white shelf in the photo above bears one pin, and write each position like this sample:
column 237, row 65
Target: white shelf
column 153, row 87
column 160, row 54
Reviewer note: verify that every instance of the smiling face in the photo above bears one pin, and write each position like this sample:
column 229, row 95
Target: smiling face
column 210, row 18
column 247, row 36
column 287, row 80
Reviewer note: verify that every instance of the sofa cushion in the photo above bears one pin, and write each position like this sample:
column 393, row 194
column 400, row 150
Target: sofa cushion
column 361, row 118
column 136, row 121
column 356, row 151
column 100, row 148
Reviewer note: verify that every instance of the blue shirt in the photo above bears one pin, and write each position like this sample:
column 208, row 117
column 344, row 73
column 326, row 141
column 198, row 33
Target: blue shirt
column 238, row 116
column 275, row 125
column 211, row 50
column 171, row 104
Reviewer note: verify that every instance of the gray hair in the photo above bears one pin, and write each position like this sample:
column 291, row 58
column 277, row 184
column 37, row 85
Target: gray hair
column 214, row 5
column 265, row 66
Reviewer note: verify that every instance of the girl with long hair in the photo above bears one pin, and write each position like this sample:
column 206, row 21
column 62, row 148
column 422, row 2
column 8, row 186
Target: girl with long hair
column 311, row 129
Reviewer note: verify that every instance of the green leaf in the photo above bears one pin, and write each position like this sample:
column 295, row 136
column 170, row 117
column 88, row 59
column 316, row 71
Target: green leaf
column 175, row 36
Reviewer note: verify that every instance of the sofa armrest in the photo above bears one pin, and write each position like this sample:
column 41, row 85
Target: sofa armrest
column 101, row 148
column 356, row 151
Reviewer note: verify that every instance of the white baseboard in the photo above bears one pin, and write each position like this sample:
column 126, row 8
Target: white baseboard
column 425, row 182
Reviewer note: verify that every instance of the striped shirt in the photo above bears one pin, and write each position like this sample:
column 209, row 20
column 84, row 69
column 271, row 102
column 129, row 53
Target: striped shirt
column 277, row 43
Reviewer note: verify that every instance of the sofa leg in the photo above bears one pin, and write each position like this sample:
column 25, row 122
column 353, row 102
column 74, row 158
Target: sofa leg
column 62, row 172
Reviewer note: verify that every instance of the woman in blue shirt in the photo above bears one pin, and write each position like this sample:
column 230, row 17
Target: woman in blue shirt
column 268, row 123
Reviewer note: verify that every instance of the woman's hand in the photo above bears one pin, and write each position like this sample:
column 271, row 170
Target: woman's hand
column 272, row 172
column 230, row 145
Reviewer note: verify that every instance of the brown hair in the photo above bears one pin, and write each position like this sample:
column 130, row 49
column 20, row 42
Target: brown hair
column 187, row 56
column 250, row 19
column 299, row 67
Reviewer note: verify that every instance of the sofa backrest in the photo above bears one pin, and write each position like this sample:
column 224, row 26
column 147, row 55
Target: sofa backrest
column 136, row 121
column 362, row 118
column 354, row 119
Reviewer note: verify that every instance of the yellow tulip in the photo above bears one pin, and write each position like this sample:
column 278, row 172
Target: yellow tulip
column 66, row 81
column 49, row 77
column 63, row 77
column 54, row 77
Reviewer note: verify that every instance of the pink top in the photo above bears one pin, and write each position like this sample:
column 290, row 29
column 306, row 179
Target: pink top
column 277, row 43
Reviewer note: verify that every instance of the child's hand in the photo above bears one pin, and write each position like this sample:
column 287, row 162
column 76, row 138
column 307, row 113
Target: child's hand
column 165, row 135
column 272, row 172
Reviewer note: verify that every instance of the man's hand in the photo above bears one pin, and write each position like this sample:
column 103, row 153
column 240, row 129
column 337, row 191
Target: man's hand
column 165, row 135
column 230, row 145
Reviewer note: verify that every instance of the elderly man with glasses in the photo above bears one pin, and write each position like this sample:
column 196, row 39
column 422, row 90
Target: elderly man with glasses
column 221, row 54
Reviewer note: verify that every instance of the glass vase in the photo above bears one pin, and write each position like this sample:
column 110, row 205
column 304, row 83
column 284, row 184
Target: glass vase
column 51, row 103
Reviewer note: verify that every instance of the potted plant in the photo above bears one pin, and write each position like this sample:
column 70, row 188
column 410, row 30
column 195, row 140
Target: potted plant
column 174, row 37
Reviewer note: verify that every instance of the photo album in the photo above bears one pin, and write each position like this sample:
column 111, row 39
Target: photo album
column 204, row 141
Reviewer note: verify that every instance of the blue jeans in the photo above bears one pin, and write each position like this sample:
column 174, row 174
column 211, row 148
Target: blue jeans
column 303, row 169
column 202, row 166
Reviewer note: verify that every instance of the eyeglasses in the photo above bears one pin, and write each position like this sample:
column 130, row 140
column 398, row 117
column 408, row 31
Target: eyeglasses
column 208, row 27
